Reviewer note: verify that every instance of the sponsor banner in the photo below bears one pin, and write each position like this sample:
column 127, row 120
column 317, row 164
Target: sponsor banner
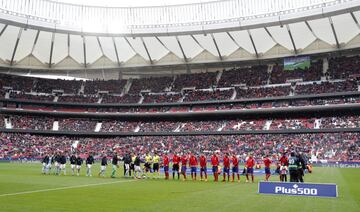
column 298, row 189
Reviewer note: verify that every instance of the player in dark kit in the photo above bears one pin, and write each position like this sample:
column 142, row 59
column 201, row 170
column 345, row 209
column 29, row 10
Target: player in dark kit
column 79, row 162
column 63, row 163
column 45, row 162
column 235, row 168
column 103, row 166
column 89, row 162
column 175, row 168
column 294, row 163
column 166, row 166
column 115, row 165
column 215, row 165
column 127, row 161
column 267, row 163
column 73, row 164
column 301, row 168
column 203, row 168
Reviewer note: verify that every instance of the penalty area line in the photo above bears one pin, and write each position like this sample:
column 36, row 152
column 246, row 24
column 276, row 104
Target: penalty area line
column 64, row 188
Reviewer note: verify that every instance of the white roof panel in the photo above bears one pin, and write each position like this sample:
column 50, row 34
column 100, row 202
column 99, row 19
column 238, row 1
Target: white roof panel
column 345, row 27
column 281, row 35
column 93, row 50
column 138, row 46
column 172, row 44
column 25, row 44
column 108, row 48
column 61, row 49
column 43, row 46
column 207, row 43
column 322, row 29
column 225, row 44
column 7, row 42
column 77, row 48
column 125, row 52
column 301, row 34
column 155, row 48
column 262, row 40
column 190, row 47
column 243, row 39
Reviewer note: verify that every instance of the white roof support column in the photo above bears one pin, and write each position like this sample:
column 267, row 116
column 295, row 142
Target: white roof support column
column 198, row 43
column 217, row 48
column 116, row 51
column 3, row 30
column 232, row 38
column 253, row 43
column 84, row 48
column 147, row 51
column 35, row 41
column 355, row 19
column 16, row 45
column 272, row 38
column 311, row 30
column 182, row 50
column 291, row 38
column 51, row 49
column 334, row 33
column 99, row 43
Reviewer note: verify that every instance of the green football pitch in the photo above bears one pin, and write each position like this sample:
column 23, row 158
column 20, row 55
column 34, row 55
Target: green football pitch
column 23, row 188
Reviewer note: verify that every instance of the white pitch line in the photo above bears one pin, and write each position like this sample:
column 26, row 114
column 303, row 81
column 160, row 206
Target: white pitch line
column 63, row 188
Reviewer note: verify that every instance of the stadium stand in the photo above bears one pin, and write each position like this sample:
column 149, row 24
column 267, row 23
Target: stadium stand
column 153, row 84
column 330, row 146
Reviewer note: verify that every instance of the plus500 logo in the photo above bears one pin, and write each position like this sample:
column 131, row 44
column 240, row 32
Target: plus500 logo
column 297, row 191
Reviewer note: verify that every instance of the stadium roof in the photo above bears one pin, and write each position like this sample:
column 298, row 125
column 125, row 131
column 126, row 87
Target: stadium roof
column 39, row 34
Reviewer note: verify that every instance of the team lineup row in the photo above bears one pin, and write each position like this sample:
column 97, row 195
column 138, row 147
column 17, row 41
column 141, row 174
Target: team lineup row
column 295, row 165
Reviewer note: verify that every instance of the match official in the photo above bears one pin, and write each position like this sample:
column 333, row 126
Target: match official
column 294, row 163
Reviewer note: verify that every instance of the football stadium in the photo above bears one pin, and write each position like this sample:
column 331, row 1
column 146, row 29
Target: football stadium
column 192, row 105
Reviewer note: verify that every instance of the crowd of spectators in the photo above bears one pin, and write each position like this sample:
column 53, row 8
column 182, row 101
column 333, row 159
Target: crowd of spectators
column 327, row 87
column 162, row 98
column 251, row 76
column 78, row 125
column 112, row 86
column 204, row 95
column 262, row 92
column 313, row 73
column 24, row 96
column 340, row 122
column 72, row 124
column 31, row 122
column 118, row 126
column 158, row 126
column 294, row 124
column 344, row 67
column 197, row 80
column 323, row 146
column 2, row 121
column 16, row 82
column 126, row 98
column 48, row 85
column 79, row 99
column 154, row 84
column 197, row 126
column 237, row 125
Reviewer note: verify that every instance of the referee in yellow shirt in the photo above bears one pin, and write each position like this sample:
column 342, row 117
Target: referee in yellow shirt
column 148, row 162
column 156, row 161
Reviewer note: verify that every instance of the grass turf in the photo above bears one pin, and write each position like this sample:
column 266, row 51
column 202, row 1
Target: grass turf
column 159, row 195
